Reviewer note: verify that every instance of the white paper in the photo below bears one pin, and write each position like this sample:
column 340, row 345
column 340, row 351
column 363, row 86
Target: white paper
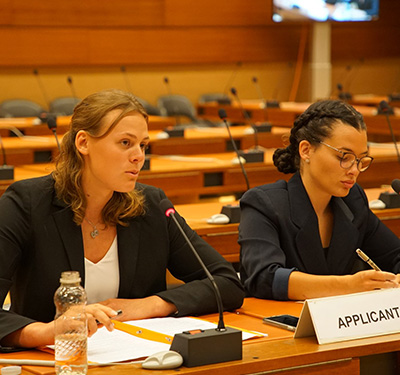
column 117, row 346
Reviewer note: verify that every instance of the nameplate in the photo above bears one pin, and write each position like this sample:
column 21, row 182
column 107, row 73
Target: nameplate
column 350, row 316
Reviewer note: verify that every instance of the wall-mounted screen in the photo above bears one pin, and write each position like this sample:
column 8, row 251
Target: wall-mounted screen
column 325, row 10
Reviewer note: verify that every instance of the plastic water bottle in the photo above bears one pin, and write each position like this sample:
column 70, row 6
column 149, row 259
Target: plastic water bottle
column 70, row 326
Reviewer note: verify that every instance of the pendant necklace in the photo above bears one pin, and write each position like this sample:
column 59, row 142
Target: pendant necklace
column 95, row 232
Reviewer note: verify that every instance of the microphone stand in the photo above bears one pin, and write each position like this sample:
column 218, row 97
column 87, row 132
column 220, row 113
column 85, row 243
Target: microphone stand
column 256, row 155
column 52, row 125
column 391, row 200
column 203, row 347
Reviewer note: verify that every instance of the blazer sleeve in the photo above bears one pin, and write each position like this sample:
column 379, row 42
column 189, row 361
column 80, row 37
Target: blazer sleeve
column 14, row 232
column 263, row 262
column 197, row 296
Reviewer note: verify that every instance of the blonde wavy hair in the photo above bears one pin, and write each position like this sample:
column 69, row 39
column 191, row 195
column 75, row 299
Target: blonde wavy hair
column 88, row 116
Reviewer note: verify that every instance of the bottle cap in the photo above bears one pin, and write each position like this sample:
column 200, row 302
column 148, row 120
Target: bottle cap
column 70, row 277
column 11, row 370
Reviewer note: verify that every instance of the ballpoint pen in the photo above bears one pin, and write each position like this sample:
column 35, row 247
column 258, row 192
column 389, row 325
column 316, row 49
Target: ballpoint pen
column 119, row 312
column 367, row 259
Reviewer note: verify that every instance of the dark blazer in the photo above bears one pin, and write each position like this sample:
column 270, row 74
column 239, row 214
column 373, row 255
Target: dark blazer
column 39, row 240
column 279, row 233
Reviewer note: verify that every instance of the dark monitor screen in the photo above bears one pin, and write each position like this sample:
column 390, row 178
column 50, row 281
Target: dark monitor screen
column 325, row 10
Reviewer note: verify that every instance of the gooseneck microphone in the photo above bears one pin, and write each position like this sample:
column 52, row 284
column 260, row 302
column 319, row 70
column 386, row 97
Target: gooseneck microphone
column 127, row 83
column 168, row 208
column 206, row 346
column 167, row 85
column 246, row 116
column 343, row 95
column 266, row 103
column 385, row 109
column 71, row 86
column 52, row 125
column 232, row 77
column 223, row 116
column 41, row 87
column 391, row 200
column 258, row 88
column 396, row 185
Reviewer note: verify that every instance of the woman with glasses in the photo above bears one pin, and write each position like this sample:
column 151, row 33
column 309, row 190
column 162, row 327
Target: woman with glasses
column 299, row 238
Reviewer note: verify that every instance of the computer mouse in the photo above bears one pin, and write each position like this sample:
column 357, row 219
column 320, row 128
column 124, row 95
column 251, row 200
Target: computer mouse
column 248, row 131
column 163, row 360
column 377, row 204
column 162, row 135
column 218, row 219
column 235, row 160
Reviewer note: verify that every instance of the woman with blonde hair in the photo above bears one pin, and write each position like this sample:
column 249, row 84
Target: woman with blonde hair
column 90, row 215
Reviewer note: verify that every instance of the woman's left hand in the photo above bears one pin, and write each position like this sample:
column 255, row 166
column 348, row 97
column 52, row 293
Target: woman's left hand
column 140, row 308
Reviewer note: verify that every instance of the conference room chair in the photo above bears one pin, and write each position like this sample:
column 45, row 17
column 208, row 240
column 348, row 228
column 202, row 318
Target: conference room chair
column 149, row 108
column 218, row 97
column 20, row 108
column 64, row 106
column 179, row 106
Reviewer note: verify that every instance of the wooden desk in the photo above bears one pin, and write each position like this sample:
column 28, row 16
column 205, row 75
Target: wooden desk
column 283, row 116
column 186, row 179
column 33, row 125
column 43, row 148
column 278, row 353
column 216, row 140
column 378, row 130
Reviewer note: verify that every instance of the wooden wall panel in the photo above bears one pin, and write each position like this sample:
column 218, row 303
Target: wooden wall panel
column 218, row 13
column 82, row 46
column 100, row 33
column 86, row 13
column 369, row 39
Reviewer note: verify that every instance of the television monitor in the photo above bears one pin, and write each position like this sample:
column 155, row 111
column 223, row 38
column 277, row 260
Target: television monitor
column 325, row 10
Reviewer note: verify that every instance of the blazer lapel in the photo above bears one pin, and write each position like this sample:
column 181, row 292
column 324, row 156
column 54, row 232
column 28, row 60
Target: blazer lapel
column 71, row 236
column 344, row 238
column 308, row 240
column 128, row 250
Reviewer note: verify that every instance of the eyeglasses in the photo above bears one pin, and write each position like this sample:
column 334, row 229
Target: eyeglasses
column 348, row 159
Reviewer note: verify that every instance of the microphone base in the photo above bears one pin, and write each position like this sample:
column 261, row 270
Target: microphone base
column 146, row 165
column 175, row 133
column 385, row 111
column 345, row 96
column 264, row 127
column 233, row 212
column 252, row 156
column 272, row 104
column 6, row 172
column 394, row 97
column 392, row 200
column 208, row 346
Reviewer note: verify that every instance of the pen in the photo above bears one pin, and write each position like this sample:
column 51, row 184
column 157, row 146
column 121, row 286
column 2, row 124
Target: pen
column 119, row 312
column 366, row 259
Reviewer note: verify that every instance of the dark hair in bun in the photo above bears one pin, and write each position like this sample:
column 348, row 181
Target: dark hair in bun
column 313, row 125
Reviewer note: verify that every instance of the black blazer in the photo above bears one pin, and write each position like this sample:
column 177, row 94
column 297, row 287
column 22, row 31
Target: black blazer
column 279, row 233
column 39, row 240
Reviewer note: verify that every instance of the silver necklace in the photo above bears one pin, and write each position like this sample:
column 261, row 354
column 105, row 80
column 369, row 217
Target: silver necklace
column 95, row 232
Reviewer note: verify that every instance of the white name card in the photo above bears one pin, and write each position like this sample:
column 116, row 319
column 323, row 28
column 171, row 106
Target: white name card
column 351, row 316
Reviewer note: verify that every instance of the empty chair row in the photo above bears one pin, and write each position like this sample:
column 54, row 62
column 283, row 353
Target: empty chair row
column 167, row 105
column 26, row 108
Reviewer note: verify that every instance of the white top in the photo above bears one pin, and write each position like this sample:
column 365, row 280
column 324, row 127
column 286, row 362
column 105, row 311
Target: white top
column 102, row 278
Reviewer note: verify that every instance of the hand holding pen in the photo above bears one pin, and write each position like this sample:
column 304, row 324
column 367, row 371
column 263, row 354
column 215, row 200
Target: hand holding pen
column 373, row 265
column 367, row 259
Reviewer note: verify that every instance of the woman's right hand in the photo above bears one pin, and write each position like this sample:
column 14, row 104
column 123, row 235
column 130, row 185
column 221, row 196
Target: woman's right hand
column 41, row 334
column 371, row 280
